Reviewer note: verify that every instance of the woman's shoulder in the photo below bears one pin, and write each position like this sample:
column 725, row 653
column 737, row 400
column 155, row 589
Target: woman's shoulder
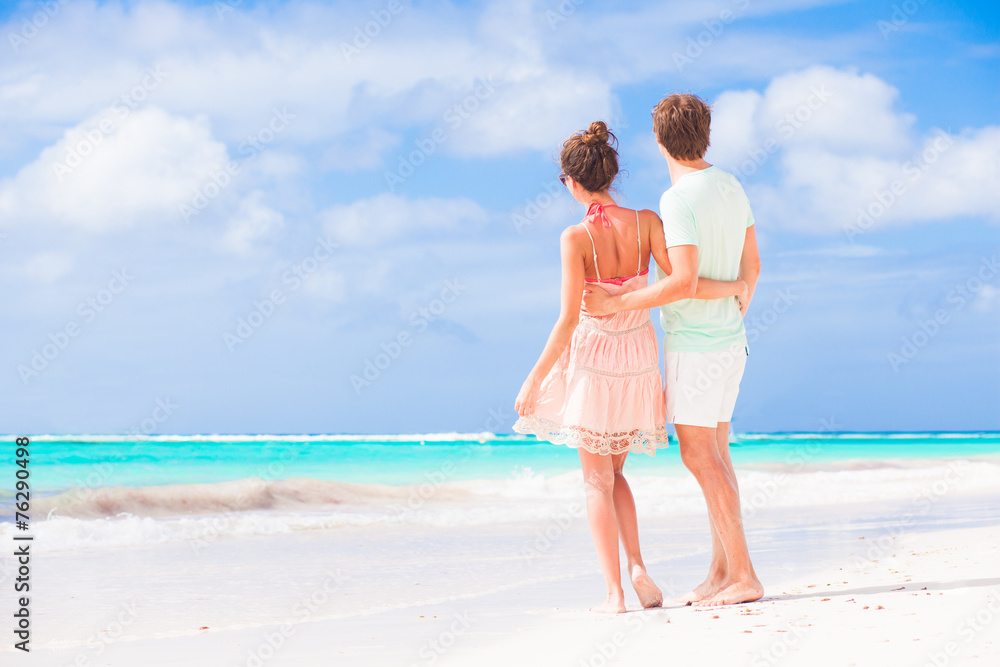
column 649, row 217
column 575, row 234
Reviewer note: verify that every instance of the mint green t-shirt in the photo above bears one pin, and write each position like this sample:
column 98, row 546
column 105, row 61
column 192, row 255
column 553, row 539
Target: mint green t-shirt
column 709, row 209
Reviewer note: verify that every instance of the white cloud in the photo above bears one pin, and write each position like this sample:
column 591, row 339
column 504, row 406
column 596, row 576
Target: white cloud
column 253, row 222
column 535, row 111
column 47, row 267
column 818, row 108
column 236, row 70
column 856, row 251
column 846, row 159
column 236, row 65
column 735, row 128
column 326, row 284
column 387, row 217
column 363, row 150
column 987, row 300
column 139, row 171
column 947, row 177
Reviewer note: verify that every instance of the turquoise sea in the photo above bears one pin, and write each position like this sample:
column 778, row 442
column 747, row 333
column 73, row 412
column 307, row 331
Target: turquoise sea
column 109, row 491
column 61, row 462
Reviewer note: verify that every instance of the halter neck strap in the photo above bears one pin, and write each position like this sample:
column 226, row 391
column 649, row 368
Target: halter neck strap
column 597, row 210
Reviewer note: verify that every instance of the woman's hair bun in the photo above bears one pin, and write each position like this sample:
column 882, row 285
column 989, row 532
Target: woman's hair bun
column 596, row 134
column 589, row 157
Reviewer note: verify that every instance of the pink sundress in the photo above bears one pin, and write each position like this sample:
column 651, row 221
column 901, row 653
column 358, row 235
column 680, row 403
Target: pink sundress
column 605, row 392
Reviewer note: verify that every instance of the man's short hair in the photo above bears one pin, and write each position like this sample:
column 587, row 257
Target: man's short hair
column 681, row 123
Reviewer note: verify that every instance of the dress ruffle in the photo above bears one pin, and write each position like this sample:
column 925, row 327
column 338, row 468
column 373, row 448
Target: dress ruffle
column 578, row 437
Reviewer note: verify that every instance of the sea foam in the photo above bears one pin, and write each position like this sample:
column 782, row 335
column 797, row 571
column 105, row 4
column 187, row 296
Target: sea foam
column 121, row 516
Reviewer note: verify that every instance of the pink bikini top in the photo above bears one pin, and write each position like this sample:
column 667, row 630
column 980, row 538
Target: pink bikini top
column 595, row 211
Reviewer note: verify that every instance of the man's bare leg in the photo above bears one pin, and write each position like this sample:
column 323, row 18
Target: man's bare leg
column 599, row 481
column 718, row 569
column 722, row 437
column 628, row 530
column 700, row 453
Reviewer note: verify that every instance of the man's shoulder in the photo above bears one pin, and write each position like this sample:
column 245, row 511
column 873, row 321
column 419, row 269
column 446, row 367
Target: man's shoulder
column 727, row 184
column 676, row 212
column 673, row 196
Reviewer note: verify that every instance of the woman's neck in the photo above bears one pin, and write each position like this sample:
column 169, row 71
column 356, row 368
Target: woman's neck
column 602, row 198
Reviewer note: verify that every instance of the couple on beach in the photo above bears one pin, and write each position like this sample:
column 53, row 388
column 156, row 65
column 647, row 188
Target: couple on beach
column 597, row 385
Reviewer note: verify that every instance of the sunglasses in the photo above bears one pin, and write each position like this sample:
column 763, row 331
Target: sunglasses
column 562, row 178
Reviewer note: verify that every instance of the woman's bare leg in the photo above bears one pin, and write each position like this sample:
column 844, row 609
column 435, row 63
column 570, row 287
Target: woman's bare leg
column 628, row 531
column 599, row 483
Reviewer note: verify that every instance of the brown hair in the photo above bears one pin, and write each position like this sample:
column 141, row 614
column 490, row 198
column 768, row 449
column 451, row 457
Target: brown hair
column 589, row 157
column 681, row 123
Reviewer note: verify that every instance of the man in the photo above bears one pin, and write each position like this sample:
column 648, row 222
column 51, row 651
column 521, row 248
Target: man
column 709, row 230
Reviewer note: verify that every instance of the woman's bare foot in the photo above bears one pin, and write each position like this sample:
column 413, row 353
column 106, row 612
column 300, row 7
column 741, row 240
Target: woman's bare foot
column 649, row 594
column 615, row 604
column 706, row 589
column 735, row 593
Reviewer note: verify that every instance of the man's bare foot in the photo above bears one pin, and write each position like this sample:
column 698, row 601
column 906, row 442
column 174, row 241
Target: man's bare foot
column 741, row 591
column 615, row 604
column 649, row 594
column 706, row 589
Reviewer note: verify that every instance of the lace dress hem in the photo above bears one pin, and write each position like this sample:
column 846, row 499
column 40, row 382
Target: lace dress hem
column 636, row 440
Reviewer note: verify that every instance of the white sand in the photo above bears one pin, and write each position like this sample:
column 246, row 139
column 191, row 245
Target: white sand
column 921, row 588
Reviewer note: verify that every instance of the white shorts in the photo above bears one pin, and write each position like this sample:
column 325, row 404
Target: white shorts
column 701, row 387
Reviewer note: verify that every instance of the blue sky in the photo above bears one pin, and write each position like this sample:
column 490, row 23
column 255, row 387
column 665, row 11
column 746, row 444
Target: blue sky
column 217, row 216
